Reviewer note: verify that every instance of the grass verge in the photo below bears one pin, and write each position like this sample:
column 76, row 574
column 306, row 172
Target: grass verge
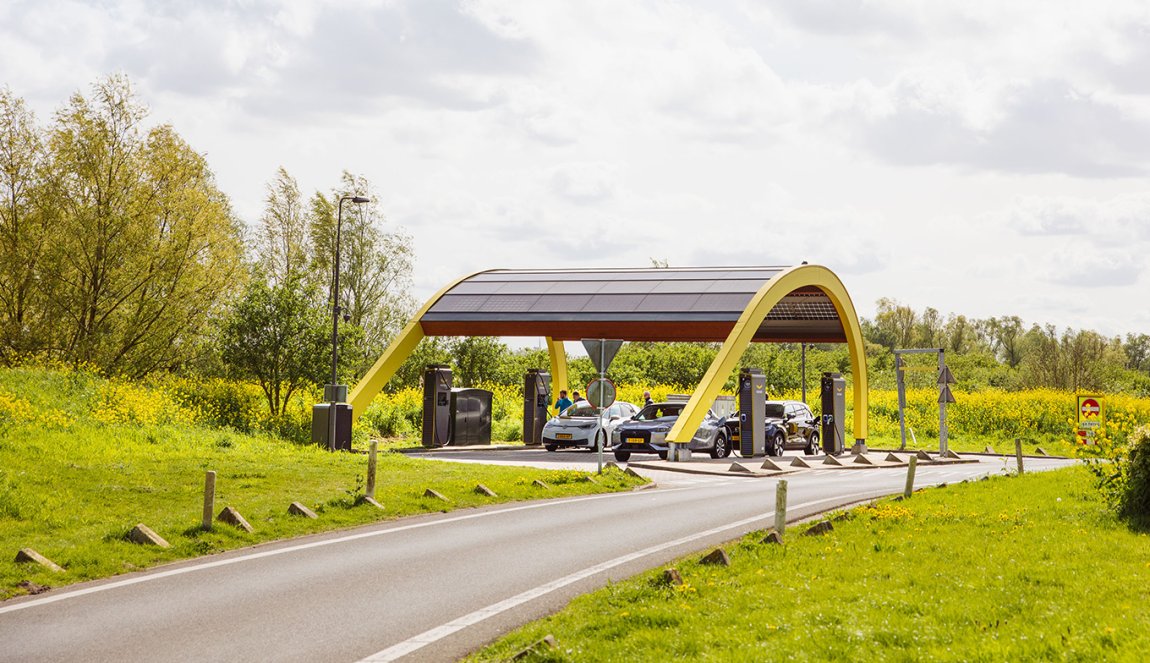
column 72, row 485
column 1012, row 568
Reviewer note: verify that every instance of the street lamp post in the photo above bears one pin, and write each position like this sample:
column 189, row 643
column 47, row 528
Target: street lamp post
column 804, row 364
column 333, row 395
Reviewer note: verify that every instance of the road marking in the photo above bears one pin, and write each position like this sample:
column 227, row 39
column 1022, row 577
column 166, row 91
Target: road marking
column 428, row 637
column 307, row 546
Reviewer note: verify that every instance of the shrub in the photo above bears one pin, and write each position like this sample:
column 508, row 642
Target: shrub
column 1135, row 503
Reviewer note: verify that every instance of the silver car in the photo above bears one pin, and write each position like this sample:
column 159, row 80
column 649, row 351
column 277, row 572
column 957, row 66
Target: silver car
column 576, row 426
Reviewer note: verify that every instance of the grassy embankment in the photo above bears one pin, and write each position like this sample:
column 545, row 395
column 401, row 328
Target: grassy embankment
column 83, row 460
column 1009, row 569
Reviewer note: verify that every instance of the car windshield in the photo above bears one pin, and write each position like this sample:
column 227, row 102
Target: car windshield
column 775, row 410
column 581, row 409
column 659, row 411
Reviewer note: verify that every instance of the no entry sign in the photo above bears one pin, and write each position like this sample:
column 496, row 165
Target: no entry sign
column 1090, row 413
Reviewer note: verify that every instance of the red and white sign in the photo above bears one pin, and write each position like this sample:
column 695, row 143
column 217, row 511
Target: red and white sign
column 1090, row 417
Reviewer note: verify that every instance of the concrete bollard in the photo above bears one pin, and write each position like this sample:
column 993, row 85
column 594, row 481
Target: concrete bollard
column 781, row 507
column 209, row 499
column 1018, row 453
column 369, row 491
column 910, row 468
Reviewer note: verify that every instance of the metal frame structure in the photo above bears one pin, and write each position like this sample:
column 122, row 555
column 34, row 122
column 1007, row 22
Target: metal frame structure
column 944, row 391
column 738, row 306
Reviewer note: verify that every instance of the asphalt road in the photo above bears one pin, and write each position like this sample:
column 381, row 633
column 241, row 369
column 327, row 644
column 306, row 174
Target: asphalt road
column 426, row 588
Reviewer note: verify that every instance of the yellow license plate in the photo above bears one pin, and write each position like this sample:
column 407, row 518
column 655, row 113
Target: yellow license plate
column 635, row 440
column 563, row 436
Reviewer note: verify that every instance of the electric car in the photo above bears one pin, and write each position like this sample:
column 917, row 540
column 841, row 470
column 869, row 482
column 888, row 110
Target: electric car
column 576, row 426
column 647, row 432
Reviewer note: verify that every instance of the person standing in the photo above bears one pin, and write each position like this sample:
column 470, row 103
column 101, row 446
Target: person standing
column 647, row 398
column 576, row 397
column 563, row 403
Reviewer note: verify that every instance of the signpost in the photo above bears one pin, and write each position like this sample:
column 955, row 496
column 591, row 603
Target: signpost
column 601, row 392
column 1091, row 416
column 945, row 379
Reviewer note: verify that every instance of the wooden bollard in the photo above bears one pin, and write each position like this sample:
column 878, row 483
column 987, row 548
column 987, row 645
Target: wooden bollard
column 1018, row 453
column 910, row 468
column 209, row 498
column 781, row 507
column 369, row 491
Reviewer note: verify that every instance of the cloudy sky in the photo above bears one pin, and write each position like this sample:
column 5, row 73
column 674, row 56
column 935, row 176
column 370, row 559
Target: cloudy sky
column 980, row 157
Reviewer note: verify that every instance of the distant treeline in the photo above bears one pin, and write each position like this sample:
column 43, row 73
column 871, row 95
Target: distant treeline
column 119, row 252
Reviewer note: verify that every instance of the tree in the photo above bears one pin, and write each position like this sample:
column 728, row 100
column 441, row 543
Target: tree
column 146, row 247
column 24, row 230
column 283, row 242
column 477, row 359
column 1006, row 335
column 278, row 337
column 375, row 267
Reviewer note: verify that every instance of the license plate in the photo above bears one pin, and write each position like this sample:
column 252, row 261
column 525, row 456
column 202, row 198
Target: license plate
column 635, row 440
column 563, row 436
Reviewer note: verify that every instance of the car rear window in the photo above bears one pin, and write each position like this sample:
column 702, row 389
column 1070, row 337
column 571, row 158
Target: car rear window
column 775, row 410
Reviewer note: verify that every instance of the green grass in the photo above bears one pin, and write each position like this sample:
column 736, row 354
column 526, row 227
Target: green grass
column 72, row 490
column 1009, row 569
column 1051, row 444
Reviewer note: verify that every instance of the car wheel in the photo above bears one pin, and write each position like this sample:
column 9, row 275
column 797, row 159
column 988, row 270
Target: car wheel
column 720, row 450
column 663, row 455
column 778, row 444
column 550, row 447
column 813, row 445
column 622, row 456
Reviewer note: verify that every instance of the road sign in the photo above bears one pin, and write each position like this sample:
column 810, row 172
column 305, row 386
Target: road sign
column 944, row 395
column 601, row 351
column 946, row 377
column 601, row 393
column 1091, row 414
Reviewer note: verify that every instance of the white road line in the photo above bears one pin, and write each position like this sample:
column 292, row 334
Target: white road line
column 307, row 546
column 428, row 637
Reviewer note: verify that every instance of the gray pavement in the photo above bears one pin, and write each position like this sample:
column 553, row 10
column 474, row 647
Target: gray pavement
column 427, row 588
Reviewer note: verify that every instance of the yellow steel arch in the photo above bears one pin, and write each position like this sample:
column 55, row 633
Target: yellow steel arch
column 744, row 331
column 407, row 340
column 400, row 349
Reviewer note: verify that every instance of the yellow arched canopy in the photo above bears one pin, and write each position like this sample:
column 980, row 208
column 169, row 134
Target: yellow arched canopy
column 732, row 305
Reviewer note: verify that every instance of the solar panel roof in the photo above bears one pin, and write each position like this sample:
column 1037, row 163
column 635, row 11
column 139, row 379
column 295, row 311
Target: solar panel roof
column 652, row 304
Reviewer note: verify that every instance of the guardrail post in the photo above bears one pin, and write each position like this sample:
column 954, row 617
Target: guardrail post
column 209, row 498
column 781, row 507
column 912, row 465
column 369, row 490
column 1018, row 453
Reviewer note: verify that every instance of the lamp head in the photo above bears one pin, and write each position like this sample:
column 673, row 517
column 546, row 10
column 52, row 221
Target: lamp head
column 359, row 200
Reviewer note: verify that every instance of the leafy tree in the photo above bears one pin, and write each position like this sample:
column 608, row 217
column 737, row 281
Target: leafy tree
column 279, row 337
column 375, row 267
column 283, row 247
column 24, row 230
column 477, row 359
column 146, row 248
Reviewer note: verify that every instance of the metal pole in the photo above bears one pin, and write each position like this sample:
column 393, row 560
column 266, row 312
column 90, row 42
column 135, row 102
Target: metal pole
column 942, row 404
column 334, row 329
column 898, row 373
column 209, row 498
column 910, row 469
column 600, row 441
column 804, row 364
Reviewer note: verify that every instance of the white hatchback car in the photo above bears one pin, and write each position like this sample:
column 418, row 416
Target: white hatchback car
column 575, row 426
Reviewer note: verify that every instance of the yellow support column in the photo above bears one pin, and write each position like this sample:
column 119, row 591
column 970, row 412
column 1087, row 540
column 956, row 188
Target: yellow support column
column 400, row 349
column 558, row 368
column 744, row 331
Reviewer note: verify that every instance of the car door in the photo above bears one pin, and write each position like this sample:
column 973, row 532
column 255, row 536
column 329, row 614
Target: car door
column 794, row 434
column 806, row 421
